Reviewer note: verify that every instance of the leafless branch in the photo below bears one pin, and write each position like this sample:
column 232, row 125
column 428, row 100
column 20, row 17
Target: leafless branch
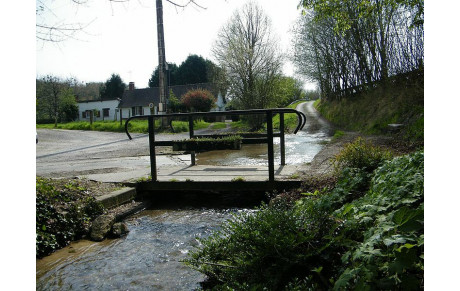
column 59, row 32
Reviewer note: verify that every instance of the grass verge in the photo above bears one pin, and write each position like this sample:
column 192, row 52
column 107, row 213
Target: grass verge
column 137, row 126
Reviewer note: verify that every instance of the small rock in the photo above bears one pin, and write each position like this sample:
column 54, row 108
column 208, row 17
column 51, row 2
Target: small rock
column 119, row 229
column 101, row 226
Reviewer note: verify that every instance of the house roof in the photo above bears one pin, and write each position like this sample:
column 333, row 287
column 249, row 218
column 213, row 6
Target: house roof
column 143, row 97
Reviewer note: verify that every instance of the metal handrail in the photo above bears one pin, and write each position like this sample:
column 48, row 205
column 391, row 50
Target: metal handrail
column 190, row 116
column 300, row 115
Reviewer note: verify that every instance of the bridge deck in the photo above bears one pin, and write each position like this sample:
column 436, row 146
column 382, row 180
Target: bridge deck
column 208, row 173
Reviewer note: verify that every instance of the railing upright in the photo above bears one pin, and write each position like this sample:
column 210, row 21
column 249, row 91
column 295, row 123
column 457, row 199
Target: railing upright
column 192, row 134
column 271, row 156
column 153, row 160
column 282, row 145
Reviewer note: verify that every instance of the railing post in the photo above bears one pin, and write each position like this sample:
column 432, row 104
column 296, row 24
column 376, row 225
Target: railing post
column 282, row 142
column 153, row 160
column 190, row 128
column 271, row 159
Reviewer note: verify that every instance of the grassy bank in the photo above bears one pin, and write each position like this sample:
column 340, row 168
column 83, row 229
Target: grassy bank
column 362, row 232
column 290, row 119
column 138, row 126
column 371, row 112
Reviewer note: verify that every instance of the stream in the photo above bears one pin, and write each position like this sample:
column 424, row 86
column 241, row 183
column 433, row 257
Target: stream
column 149, row 257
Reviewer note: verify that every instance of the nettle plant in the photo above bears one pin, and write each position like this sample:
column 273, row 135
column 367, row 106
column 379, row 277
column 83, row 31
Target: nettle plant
column 364, row 234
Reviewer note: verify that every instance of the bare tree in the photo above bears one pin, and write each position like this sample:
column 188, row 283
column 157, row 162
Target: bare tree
column 51, row 27
column 247, row 50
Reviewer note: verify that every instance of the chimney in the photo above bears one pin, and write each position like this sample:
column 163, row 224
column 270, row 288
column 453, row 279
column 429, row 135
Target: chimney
column 131, row 86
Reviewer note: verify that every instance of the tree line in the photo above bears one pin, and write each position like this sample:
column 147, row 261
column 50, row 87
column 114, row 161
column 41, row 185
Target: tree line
column 346, row 46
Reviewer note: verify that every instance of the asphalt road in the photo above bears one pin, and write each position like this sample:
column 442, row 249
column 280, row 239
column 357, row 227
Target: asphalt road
column 101, row 156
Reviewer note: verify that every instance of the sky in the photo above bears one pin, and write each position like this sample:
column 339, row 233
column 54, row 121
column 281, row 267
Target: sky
column 121, row 37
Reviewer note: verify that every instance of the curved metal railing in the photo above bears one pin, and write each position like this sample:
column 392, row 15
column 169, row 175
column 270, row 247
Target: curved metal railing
column 260, row 138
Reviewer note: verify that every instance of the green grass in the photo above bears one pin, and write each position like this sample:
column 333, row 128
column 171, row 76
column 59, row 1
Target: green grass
column 241, row 126
column 135, row 126
column 371, row 112
column 290, row 119
column 338, row 134
column 219, row 125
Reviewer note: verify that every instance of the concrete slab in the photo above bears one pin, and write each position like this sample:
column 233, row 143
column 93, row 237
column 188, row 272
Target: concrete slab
column 207, row 173
column 118, row 197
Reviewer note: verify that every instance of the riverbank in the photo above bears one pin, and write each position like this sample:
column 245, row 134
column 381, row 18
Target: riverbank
column 359, row 224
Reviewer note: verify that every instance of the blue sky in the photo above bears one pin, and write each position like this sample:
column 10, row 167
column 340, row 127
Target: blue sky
column 121, row 37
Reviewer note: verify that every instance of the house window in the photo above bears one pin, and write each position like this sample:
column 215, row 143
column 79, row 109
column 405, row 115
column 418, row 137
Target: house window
column 105, row 112
column 137, row 110
column 83, row 114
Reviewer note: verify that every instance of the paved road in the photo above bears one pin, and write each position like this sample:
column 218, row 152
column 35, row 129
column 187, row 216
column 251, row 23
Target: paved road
column 102, row 156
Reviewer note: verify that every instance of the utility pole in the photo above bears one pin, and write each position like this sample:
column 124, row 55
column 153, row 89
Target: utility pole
column 162, row 66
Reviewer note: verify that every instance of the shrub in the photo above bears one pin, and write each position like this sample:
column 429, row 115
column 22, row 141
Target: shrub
column 62, row 215
column 328, row 240
column 361, row 154
column 198, row 100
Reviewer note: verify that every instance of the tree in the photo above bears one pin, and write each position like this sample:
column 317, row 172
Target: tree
column 286, row 90
column 55, row 99
column 154, row 80
column 246, row 49
column 113, row 88
column 343, row 19
column 195, row 69
column 88, row 91
column 352, row 46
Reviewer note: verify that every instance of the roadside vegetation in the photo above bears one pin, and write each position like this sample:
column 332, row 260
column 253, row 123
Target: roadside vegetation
column 290, row 119
column 138, row 126
column 361, row 229
column 371, row 112
column 64, row 212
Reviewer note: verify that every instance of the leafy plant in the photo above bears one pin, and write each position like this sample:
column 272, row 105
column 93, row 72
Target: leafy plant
column 361, row 154
column 62, row 214
column 364, row 234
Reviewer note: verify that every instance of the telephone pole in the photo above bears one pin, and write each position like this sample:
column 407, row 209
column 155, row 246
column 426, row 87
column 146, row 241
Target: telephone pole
column 162, row 66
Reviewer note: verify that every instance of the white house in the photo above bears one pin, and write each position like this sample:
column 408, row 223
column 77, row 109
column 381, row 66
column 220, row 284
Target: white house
column 102, row 110
column 145, row 101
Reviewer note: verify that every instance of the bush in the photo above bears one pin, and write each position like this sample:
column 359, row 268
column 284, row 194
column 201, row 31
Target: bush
column 62, row 215
column 365, row 234
column 198, row 100
column 362, row 155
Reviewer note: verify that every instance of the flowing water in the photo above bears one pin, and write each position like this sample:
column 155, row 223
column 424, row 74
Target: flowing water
column 300, row 148
column 149, row 257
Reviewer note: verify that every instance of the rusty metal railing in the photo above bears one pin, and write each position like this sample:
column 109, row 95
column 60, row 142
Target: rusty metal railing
column 249, row 138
